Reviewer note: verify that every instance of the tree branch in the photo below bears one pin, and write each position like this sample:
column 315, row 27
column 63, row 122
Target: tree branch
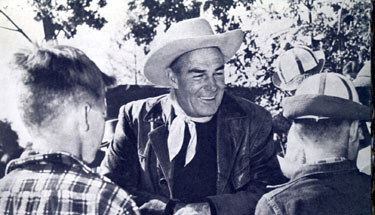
column 10, row 29
column 18, row 28
column 57, row 34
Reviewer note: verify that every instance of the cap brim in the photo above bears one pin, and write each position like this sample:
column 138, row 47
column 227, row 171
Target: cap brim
column 159, row 60
column 324, row 106
column 290, row 86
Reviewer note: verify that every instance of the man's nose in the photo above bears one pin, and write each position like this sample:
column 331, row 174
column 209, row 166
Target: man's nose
column 211, row 84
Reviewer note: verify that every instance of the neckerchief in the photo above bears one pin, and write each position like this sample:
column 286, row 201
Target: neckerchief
column 177, row 131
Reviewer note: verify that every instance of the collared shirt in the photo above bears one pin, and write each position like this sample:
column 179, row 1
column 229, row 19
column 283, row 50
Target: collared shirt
column 59, row 183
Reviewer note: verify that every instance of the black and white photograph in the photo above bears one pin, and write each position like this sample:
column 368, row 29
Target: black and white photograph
column 186, row 107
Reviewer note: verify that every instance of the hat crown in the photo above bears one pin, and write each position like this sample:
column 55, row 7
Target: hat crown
column 326, row 96
column 183, row 37
column 296, row 61
column 190, row 28
column 329, row 84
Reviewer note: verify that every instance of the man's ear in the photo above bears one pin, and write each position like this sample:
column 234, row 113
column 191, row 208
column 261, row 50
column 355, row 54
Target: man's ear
column 353, row 140
column 172, row 78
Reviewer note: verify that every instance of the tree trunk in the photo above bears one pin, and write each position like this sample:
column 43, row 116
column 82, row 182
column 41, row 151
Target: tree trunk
column 49, row 29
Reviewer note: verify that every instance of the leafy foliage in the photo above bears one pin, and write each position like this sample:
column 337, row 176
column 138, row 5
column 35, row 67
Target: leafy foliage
column 340, row 29
column 65, row 15
column 346, row 31
column 149, row 14
column 342, row 26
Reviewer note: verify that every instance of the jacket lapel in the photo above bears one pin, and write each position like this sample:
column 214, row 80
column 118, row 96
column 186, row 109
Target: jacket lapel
column 158, row 141
column 158, row 115
column 230, row 136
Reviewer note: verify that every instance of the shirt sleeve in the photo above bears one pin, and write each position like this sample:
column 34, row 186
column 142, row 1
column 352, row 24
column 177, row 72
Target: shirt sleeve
column 113, row 200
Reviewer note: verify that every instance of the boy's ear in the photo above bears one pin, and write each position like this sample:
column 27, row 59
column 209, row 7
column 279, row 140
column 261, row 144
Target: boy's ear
column 84, row 116
column 172, row 78
column 353, row 140
column 354, row 132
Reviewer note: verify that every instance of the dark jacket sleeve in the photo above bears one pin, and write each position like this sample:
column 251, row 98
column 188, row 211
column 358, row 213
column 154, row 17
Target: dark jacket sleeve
column 263, row 170
column 121, row 163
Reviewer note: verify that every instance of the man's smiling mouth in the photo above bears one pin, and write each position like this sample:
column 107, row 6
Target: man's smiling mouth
column 207, row 98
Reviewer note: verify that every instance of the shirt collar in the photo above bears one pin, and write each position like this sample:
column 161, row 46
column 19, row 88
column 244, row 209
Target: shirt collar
column 32, row 157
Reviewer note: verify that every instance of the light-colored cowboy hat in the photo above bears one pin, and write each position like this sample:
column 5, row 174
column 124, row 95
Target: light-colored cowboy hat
column 183, row 37
column 325, row 96
column 296, row 64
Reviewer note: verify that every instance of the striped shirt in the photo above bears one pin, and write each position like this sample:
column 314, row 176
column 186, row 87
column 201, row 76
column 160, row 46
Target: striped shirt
column 59, row 183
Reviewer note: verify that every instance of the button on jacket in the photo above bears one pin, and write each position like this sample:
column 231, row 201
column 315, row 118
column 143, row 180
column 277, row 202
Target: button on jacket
column 138, row 157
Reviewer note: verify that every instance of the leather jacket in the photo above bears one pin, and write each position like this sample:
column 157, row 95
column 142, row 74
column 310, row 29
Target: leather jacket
column 138, row 159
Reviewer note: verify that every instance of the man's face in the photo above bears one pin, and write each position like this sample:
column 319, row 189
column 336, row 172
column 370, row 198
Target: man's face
column 199, row 81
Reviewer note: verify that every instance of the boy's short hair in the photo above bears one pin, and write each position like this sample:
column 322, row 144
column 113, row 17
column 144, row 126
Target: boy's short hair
column 52, row 75
column 322, row 130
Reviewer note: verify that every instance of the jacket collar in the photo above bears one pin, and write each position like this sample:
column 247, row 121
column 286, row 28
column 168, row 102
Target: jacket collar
column 161, row 112
column 230, row 135
column 298, row 171
column 230, row 108
column 313, row 169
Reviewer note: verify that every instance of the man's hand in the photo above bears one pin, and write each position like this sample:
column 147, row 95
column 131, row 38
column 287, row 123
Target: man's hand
column 195, row 209
column 153, row 207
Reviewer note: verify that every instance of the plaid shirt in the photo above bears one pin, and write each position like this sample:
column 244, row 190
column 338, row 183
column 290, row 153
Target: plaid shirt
column 59, row 183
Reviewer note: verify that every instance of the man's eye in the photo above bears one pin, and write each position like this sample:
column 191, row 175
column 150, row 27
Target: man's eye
column 197, row 77
column 219, row 73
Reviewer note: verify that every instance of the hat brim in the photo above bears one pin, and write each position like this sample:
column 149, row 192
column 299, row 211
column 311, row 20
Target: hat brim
column 293, row 84
column 324, row 106
column 159, row 60
column 362, row 82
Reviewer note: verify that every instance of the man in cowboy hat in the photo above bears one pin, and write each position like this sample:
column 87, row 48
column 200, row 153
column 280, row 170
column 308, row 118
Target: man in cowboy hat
column 321, row 152
column 196, row 149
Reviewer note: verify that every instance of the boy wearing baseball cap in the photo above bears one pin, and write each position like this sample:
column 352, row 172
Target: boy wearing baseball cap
column 322, row 148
